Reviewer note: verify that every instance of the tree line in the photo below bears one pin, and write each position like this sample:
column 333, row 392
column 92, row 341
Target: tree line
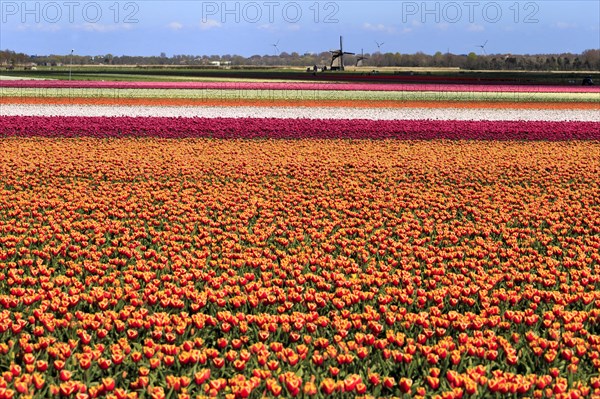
column 588, row 60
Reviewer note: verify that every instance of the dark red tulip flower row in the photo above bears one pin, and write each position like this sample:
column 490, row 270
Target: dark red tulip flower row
column 275, row 128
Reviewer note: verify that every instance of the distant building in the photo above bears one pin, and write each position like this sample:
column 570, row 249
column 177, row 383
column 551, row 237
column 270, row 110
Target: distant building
column 220, row 63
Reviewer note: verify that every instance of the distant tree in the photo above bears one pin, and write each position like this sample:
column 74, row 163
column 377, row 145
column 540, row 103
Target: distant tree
column 591, row 59
column 510, row 62
column 472, row 60
column 438, row 59
column 421, row 59
column 238, row 60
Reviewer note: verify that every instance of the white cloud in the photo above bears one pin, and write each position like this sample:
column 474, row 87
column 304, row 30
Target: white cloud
column 293, row 27
column 175, row 25
column 209, row 24
column 378, row 28
column 39, row 27
column 565, row 25
column 95, row 27
column 87, row 27
column 268, row 27
column 443, row 26
column 475, row 28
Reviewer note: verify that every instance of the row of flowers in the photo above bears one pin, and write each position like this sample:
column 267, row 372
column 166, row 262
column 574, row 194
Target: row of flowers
column 300, row 86
column 241, row 112
column 318, row 268
column 247, row 128
column 214, row 102
column 306, row 94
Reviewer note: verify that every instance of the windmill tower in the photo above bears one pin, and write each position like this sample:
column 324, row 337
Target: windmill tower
column 360, row 58
column 337, row 57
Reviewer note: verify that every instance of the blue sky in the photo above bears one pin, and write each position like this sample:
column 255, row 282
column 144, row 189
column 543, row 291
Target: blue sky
column 252, row 27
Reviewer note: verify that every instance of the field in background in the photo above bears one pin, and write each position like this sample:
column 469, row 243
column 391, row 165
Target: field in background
column 383, row 74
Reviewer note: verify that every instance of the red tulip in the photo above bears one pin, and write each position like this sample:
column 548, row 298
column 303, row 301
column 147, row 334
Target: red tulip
column 328, row 386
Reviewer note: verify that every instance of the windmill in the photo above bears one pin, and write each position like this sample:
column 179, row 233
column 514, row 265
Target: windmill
column 379, row 45
column 276, row 48
column 482, row 46
column 360, row 58
column 337, row 58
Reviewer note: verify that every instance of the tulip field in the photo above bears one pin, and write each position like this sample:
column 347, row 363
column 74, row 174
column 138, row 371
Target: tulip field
column 310, row 240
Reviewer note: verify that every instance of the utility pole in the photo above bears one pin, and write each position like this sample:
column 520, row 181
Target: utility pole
column 71, row 64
